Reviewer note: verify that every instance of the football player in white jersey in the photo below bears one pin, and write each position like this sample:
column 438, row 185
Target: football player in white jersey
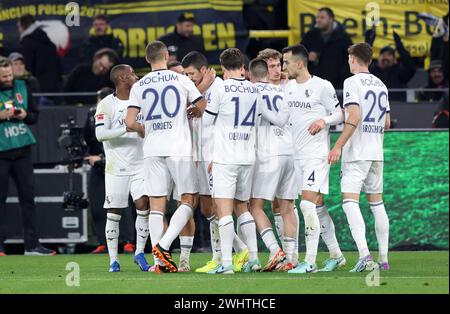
column 274, row 76
column 274, row 173
column 196, row 68
column 124, row 163
column 162, row 96
column 307, row 98
column 367, row 116
column 233, row 109
column 187, row 234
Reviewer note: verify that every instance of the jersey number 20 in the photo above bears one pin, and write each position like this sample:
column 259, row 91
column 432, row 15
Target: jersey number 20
column 156, row 96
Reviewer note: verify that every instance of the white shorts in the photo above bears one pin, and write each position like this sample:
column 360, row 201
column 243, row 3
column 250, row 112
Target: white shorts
column 362, row 175
column 119, row 188
column 174, row 193
column 312, row 174
column 275, row 177
column 204, row 178
column 232, row 181
column 160, row 171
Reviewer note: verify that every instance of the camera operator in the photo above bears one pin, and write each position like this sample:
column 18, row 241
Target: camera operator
column 17, row 111
column 96, row 185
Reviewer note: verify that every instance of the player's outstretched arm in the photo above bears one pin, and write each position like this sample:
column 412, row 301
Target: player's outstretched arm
column 103, row 130
column 279, row 119
column 130, row 121
column 335, row 118
column 351, row 124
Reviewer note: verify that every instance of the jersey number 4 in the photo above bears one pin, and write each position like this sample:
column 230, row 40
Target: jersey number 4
column 249, row 119
column 156, row 98
column 374, row 97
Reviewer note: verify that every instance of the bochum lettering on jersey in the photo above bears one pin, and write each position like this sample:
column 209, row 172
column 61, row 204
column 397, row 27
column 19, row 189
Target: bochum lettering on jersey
column 371, row 82
column 269, row 88
column 160, row 78
column 299, row 104
column 240, row 89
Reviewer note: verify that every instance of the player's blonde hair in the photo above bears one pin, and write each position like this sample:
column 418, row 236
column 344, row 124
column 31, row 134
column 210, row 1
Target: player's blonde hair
column 269, row 53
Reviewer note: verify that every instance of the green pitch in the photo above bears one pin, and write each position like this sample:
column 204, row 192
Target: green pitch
column 412, row 272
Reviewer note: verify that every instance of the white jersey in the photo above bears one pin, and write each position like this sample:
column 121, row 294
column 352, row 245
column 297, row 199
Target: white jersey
column 234, row 102
column 204, row 135
column 272, row 140
column 162, row 97
column 371, row 95
column 124, row 155
column 304, row 104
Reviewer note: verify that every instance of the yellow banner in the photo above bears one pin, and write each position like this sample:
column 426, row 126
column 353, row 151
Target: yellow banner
column 357, row 16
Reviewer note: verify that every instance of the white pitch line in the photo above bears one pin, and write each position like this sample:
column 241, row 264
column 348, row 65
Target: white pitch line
column 299, row 278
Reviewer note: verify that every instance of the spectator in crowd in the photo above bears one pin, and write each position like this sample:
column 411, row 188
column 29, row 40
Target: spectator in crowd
column 96, row 186
column 20, row 72
column 182, row 40
column 101, row 37
column 40, row 54
column 439, row 43
column 91, row 77
column 17, row 111
column 394, row 73
column 175, row 66
column 441, row 118
column 327, row 44
column 436, row 79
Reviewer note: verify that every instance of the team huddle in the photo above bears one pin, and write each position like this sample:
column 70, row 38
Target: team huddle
column 229, row 145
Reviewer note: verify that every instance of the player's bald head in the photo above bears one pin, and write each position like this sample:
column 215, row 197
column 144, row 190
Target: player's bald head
column 117, row 71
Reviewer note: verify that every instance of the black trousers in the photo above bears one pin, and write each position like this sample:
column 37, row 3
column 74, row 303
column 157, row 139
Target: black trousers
column 96, row 195
column 19, row 166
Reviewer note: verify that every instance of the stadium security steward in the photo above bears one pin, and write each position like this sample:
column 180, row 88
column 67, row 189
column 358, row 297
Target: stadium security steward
column 17, row 111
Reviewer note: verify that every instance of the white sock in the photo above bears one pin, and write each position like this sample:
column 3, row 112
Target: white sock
column 289, row 244
column 270, row 241
column 327, row 232
column 112, row 235
column 238, row 244
column 142, row 230
column 312, row 230
column 226, row 231
column 381, row 229
column 156, row 226
column 248, row 229
column 279, row 226
column 186, row 243
column 295, row 256
column 179, row 219
column 215, row 239
column 357, row 226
